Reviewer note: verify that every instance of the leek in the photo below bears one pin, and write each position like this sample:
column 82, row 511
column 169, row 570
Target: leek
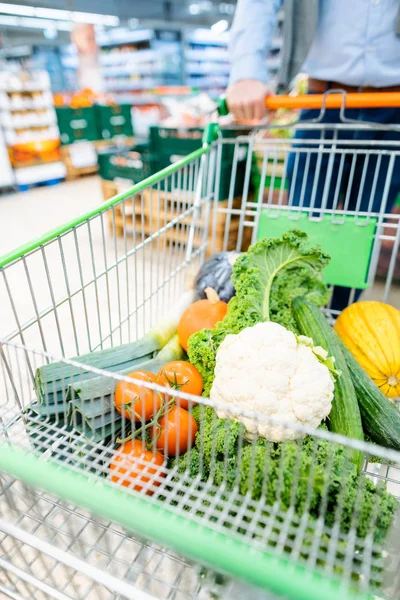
column 52, row 380
column 92, row 401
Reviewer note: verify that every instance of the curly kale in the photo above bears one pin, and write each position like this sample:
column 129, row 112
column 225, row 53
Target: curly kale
column 266, row 278
column 313, row 475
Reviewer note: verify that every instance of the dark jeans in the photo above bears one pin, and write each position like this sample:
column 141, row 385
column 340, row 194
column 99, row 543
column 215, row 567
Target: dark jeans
column 357, row 182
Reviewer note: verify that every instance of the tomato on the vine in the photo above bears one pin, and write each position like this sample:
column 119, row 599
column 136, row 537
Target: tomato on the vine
column 182, row 376
column 135, row 401
column 176, row 432
column 134, row 466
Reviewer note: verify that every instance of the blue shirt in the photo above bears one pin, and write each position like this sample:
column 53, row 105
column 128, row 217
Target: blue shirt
column 355, row 42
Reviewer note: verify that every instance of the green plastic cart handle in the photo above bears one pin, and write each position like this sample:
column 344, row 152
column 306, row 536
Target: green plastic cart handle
column 193, row 539
column 223, row 109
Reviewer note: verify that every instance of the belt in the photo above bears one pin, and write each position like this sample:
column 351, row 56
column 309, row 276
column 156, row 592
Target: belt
column 320, row 87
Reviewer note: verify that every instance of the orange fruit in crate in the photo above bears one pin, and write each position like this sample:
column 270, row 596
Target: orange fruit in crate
column 58, row 100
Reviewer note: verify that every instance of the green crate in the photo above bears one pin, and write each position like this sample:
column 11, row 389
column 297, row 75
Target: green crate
column 135, row 164
column 172, row 141
column 163, row 160
column 114, row 120
column 178, row 143
column 77, row 124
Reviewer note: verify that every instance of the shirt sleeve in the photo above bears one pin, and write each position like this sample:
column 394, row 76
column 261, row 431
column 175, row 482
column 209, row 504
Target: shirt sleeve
column 250, row 39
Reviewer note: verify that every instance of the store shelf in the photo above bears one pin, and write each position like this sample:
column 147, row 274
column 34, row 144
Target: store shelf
column 143, row 84
column 22, row 120
column 128, row 56
column 208, row 38
column 206, row 69
column 134, row 70
column 28, row 118
column 40, row 173
column 208, row 54
column 21, row 103
column 204, row 83
column 31, row 136
column 117, row 37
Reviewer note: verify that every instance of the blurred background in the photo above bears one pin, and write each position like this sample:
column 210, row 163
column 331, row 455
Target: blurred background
column 81, row 84
column 85, row 86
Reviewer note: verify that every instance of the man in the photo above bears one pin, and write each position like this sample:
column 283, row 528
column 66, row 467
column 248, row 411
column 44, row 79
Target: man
column 341, row 44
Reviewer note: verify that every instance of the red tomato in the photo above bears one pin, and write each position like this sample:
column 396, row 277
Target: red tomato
column 177, row 432
column 135, row 467
column 181, row 375
column 135, row 401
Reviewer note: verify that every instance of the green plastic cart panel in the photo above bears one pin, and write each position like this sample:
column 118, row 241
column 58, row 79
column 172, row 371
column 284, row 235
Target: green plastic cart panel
column 349, row 241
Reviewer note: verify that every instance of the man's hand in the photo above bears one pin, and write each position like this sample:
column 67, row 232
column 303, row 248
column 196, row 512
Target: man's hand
column 246, row 99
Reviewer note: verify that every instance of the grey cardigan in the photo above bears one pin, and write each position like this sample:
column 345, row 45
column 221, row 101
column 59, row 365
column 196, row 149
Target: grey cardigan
column 301, row 17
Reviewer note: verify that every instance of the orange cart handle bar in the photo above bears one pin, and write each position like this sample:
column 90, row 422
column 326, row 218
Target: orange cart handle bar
column 330, row 100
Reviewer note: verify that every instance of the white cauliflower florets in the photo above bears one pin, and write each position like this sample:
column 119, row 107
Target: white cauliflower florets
column 267, row 369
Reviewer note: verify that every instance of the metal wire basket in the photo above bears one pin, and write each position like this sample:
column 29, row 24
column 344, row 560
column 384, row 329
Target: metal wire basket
column 258, row 519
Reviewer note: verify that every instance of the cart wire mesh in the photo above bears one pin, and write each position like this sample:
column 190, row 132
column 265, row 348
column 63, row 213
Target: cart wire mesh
column 105, row 280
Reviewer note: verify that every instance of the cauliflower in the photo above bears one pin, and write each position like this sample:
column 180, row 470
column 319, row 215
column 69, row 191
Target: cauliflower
column 268, row 369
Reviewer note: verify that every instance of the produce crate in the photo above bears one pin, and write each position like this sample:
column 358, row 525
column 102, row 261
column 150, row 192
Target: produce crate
column 177, row 143
column 172, row 141
column 77, row 124
column 113, row 145
column 80, row 159
column 135, row 164
column 153, row 209
column 161, row 161
column 114, row 120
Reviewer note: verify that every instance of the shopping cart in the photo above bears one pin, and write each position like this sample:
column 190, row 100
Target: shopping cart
column 66, row 530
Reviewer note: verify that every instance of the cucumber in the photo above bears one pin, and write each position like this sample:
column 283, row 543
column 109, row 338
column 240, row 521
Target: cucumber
column 345, row 417
column 380, row 417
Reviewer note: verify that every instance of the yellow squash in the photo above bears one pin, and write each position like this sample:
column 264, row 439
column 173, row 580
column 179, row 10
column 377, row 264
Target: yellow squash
column 371, row 331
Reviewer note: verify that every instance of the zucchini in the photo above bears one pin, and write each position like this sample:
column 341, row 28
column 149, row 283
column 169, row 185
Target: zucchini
column 345, row 417
column 380, row 417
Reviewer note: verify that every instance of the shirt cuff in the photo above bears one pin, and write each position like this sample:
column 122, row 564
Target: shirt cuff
column 249, row 66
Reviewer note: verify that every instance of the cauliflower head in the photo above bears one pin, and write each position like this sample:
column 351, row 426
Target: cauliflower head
column 269, row 370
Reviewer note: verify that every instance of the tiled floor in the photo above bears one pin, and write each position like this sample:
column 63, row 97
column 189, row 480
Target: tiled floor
column 27, row 215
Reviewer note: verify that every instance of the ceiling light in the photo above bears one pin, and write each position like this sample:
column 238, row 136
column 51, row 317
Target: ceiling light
column 220, row 26
column 59, row 15
column 95, row 19
column 33, row 23
column 52, row 13
column 15, row 9
column 194, row 9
